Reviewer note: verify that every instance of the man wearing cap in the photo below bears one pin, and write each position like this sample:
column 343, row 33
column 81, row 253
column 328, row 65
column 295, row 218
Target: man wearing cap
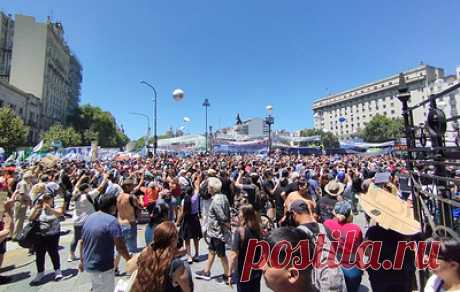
column 300, row 194
column 326, row 203
column 22, row 200
column 325, row 278
column 127, row 206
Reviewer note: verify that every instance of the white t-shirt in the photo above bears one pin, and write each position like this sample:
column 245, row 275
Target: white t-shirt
column 434, row 284
column 83, row 208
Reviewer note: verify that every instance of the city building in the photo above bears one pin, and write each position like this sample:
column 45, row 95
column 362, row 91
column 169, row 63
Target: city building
column 347, row 112
column 450, row 104
column 25, row 105
column 248, row 129
column 43, row 65
column 6, row 44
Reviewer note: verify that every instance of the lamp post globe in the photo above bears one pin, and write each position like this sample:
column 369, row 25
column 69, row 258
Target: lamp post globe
column 178, row 94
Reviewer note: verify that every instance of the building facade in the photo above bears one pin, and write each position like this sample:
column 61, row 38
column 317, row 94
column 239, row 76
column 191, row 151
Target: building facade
column 346, row 113
column 25, row 105
column 43, row 65
column 450, row 104
column 6, row 44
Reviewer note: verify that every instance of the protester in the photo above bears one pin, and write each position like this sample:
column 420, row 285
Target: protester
column 326, row 203
column 189, row 221
column 100, row 235
column 326, row 277
column 127, row 206
column 446, row 277
column 350, row 237
column 159, row 268
column 217, row 230
column 47, row 240
column 249, row 229
column 22, row 200
column 289, row 278
column 6, row 228
column 84, row 198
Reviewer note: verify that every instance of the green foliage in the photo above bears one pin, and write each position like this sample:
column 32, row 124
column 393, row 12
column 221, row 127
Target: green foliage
column 13, row 132
column 68, row 136
column 328, row 139
column 381, row 129
column 95, row 124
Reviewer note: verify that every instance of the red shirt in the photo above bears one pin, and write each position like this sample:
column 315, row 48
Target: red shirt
column 350, row 235
column 150, row 195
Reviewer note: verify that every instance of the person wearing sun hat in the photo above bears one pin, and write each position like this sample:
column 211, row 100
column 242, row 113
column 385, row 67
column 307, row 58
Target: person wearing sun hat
column 348, row 244
column 326, row 203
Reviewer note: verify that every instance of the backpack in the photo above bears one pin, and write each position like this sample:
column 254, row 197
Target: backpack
column 325, row 278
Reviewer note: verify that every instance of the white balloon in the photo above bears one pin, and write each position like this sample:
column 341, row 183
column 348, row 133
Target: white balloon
column 269, row 107
column 187, row 119
column 178, row 94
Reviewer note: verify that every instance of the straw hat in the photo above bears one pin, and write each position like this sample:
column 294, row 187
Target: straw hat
column 333, row 188
column 389, row 211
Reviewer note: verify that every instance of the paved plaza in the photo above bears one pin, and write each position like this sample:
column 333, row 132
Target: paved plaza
column 21, row 267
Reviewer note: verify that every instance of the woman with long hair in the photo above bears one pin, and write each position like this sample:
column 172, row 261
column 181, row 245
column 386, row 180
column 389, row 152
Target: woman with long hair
column 249, row 229
column 158, row 269
column 47, row 240
column 189, row 220
column 446, row 277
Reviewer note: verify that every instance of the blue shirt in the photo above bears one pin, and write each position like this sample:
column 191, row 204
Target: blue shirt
column 98, row 234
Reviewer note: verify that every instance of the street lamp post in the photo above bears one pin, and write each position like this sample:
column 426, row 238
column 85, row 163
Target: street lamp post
column 148, row 127
column 155, row 137
column 206, row 104
column 269, row 120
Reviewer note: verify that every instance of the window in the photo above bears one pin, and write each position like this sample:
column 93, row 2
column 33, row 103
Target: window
column 384, row 106
column 392, row 112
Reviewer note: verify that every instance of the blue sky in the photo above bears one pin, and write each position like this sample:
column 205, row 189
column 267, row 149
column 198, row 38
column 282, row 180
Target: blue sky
column 243, row 54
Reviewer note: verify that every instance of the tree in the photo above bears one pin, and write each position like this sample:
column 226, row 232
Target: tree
column 381, row 129
column 68, row 136
column 95, row 124
column 13, row 132
column 328, row 139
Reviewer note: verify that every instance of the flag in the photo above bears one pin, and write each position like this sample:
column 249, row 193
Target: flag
column 38, row 147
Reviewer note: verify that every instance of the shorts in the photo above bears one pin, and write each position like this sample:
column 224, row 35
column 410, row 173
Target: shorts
column 218, row 246
column 3, row 247
column 102, row 281
column 129, row 234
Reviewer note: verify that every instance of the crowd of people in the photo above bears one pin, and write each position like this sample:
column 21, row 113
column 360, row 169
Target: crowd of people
column 180, row 200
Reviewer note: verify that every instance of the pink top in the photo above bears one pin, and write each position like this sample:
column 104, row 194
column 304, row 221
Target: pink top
column 349, row 236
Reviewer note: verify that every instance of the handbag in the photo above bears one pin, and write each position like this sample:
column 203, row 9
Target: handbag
column 28, row 235
column 124, row 285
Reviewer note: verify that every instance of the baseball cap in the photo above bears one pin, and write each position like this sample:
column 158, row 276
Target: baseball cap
column 343, row 208
column 299, row 206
